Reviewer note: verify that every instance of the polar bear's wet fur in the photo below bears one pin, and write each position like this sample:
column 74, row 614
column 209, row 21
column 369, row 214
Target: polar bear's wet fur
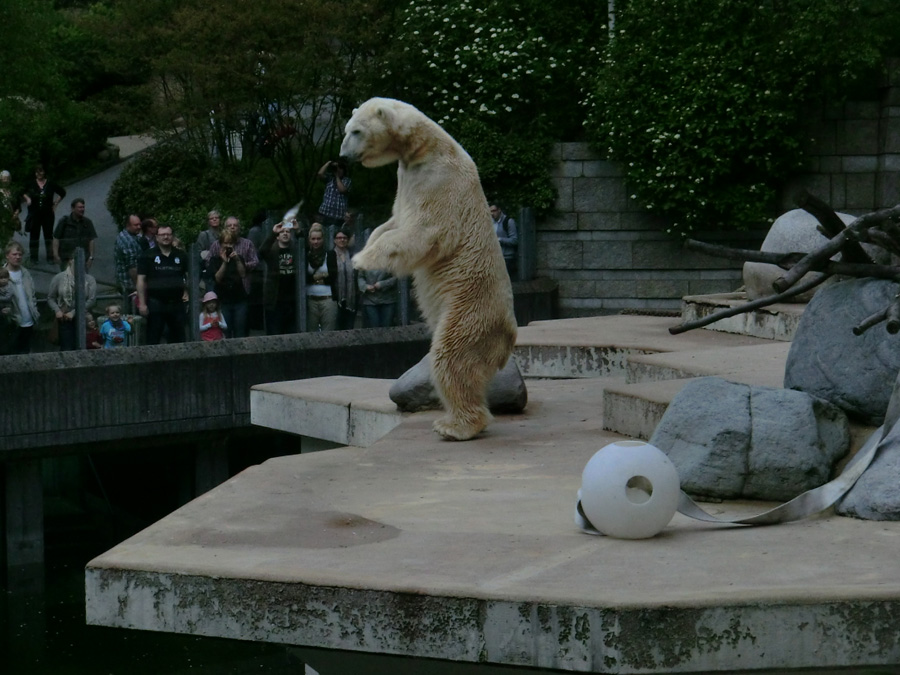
column 441, row 233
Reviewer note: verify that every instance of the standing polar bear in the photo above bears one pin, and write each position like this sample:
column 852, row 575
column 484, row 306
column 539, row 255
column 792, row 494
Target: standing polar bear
column 440, row 232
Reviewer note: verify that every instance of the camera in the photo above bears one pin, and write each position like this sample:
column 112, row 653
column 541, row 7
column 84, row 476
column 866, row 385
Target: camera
column 229, row 250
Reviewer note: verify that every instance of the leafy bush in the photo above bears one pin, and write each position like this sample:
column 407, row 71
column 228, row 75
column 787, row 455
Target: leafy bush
column 171, row 183
column 63, row 136
column 701, row 101
column 502, row 78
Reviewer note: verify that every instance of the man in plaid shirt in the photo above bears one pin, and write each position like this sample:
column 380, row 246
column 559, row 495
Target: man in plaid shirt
column 126, row 252
column 337, row 186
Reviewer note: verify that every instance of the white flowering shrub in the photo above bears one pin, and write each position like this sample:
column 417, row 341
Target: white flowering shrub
column 504, row 78
column 702, row 101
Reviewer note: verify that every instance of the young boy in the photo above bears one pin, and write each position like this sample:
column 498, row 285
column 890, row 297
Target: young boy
column 115, row 329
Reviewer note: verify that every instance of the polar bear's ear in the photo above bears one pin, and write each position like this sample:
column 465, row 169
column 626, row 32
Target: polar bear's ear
column 385, row 113
column 355, row 110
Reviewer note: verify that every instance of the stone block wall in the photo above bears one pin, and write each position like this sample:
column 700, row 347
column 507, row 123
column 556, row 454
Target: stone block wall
column 609, row 255
column 854, row 151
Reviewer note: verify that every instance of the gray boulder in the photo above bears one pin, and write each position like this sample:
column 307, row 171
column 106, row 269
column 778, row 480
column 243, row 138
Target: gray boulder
column 875, row 495
column 731, row 441
column 414, row 391
column 828, row 361
column 794, row 231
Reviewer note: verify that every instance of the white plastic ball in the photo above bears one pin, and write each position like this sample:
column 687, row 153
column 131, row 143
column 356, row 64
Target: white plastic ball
column 629, row 490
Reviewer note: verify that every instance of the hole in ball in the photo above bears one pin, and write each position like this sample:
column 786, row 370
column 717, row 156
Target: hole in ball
column 638, row 490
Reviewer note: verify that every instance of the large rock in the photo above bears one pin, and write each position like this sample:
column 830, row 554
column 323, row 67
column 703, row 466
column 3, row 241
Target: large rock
column 828, row 361
column 731, row 441
column 794, row 231
column 875, row 495
column 414, row 391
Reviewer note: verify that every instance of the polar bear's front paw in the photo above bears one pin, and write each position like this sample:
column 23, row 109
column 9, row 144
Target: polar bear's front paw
column 452, row 429
column 362, row 261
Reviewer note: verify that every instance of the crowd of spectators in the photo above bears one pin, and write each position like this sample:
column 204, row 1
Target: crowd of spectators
column 244, row 282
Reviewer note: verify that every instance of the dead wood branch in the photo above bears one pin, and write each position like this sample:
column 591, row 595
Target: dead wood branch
column 786, row 260
column 831, row 225
column 858, row 230
column 880, row 228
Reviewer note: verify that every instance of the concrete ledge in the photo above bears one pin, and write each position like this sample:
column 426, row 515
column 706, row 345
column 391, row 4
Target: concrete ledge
column 635, row 410
column 775, row 322
column 601, row 346
column 761, row 364
column 192, row 387
column 347, row 410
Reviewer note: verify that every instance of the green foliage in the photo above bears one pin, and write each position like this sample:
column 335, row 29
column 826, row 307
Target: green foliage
column 63, row 136
column 260, row 82
column 173, row 184
column 39, row 120
column 701, row 101
column 503, row 78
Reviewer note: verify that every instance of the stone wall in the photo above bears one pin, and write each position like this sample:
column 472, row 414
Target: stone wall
column 61, row 402
column 854, row 151
column 608, row 254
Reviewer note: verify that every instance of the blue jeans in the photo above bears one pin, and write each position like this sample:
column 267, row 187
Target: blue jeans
column 236, row 314
column 379, row 316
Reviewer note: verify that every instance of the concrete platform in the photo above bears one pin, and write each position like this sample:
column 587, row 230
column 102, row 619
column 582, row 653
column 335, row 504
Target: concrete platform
column 775, row 322
column 467, row 552
column 601, row 346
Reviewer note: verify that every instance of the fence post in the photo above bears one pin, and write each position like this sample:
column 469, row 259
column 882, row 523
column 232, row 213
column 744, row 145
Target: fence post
column 404, row 301
column 300, row 257
column 80, row 300
column 194, row 263
column 527, row 250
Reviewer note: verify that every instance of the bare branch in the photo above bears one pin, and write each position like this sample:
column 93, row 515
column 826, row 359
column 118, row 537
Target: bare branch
column 831, row 225
column 818, row 257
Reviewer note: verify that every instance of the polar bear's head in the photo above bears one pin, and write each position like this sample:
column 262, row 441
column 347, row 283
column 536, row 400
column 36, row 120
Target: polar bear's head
column 375, row 134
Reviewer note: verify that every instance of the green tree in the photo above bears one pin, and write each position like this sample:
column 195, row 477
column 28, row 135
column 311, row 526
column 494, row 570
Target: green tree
column 504, row 78
column 40, row 119
column 702, row 101
column 252, row 81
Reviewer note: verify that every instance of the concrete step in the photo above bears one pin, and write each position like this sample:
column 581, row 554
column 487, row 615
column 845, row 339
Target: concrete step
column 348, row 410
column 601, row 346
column 775, row 322
column 761, row 364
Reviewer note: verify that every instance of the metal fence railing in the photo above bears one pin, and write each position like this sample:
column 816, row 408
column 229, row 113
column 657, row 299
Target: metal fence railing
column 526, row 270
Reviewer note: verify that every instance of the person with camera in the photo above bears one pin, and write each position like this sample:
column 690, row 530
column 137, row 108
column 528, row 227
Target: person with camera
column 233, row 267
column 336, row 196
column 229, row 271
column 280, row 290
column 161, row 288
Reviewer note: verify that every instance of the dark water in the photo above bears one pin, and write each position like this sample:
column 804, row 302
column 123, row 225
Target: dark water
column 46, row 633
column 91, row 505
column 93, row 502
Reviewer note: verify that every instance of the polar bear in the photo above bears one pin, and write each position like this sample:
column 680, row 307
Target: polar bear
column 441, row 233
